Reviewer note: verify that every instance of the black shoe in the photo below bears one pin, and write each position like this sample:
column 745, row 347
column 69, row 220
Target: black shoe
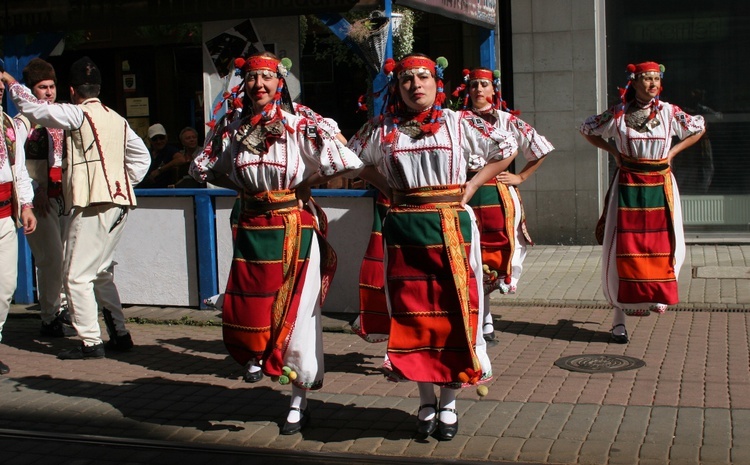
column 447, row 431
column 619, row 338
column 292, row 428
column 4, row 368
column 64, row 316
column 427, row 427
column 53, row 329
column 120, row 343
column 82, row 352
column 490, row 336
column 253, row 377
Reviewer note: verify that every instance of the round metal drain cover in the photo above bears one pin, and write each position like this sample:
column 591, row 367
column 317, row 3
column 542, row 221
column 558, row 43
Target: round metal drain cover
column 599, row 363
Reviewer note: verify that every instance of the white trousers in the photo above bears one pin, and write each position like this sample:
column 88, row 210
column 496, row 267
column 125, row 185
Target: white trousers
column 8, row 267
column 47, row 246
column 93, row 235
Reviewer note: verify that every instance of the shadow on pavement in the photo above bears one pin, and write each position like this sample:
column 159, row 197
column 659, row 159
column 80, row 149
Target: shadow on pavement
column 566, row 330
column 166, row 403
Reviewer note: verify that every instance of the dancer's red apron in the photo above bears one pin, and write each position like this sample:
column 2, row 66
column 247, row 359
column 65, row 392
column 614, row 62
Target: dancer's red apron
column 271, row 255
column 431, row 286
column 645, row 232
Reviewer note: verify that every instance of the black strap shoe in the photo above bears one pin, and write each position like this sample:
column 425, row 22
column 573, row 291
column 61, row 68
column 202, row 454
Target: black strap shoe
column 447, row 431
column 619, row 338
column 253, row 377
column 427, row 427
column 4, row 369
column 293, row 428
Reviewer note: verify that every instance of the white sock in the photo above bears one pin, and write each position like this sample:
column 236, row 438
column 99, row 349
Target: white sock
column 448, row 400
column 618, row 318
column 426, row 397
column 299, row 400
column 252, row 367
column 487, row 326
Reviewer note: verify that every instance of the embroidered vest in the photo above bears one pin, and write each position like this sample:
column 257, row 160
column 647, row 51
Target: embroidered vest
column 37, row 151
column 94, row 169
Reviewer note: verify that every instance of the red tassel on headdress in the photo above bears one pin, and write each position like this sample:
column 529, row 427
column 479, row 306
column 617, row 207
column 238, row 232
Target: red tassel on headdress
column 361, row 105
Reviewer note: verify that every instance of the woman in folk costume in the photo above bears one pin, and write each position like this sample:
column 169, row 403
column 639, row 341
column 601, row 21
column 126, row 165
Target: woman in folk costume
column 643, row 240
column 417, row 155
column 282, row 264
column 497, row 204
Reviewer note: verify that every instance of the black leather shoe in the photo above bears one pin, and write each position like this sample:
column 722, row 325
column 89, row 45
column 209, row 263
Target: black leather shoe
column 4, row 368
column 120, row 343
column 619, row 338
column 293, row 428
column 427, row 427
column 447, row 431
column 253, row 377
column 53, row 329
column 82, row 352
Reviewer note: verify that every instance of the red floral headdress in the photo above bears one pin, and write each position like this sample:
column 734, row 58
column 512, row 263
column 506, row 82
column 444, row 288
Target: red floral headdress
column 634, row 71
column 396, row 109
column 483, row 74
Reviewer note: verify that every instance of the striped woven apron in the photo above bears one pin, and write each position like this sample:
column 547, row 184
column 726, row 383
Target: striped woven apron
column 374, row 320
column 496, row 216
column 432, row 289
column 271, row 256
column 645, row 232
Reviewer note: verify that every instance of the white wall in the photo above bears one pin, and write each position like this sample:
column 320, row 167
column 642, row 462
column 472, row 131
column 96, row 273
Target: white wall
column 157, row 261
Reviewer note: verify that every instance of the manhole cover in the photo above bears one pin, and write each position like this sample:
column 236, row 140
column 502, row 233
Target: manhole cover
column 599, row 363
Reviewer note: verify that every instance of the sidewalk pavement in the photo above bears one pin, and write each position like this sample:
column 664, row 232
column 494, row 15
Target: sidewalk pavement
column 689, row 404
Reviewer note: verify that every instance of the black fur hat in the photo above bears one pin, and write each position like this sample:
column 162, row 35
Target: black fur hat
column 37, row 71
column 84, row 71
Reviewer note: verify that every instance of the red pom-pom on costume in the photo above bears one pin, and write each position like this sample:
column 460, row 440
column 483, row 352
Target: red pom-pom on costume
column 465, row 72
column 389, row 66
column 630, row 68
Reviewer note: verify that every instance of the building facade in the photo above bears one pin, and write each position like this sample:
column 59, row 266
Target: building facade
column 569, row 58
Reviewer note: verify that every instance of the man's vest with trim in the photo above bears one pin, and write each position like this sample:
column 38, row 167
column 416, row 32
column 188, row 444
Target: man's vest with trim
column 94, row 170
column 37, row 167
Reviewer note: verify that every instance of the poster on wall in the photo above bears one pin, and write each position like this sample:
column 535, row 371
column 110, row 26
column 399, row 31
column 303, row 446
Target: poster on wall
column 240, row 40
